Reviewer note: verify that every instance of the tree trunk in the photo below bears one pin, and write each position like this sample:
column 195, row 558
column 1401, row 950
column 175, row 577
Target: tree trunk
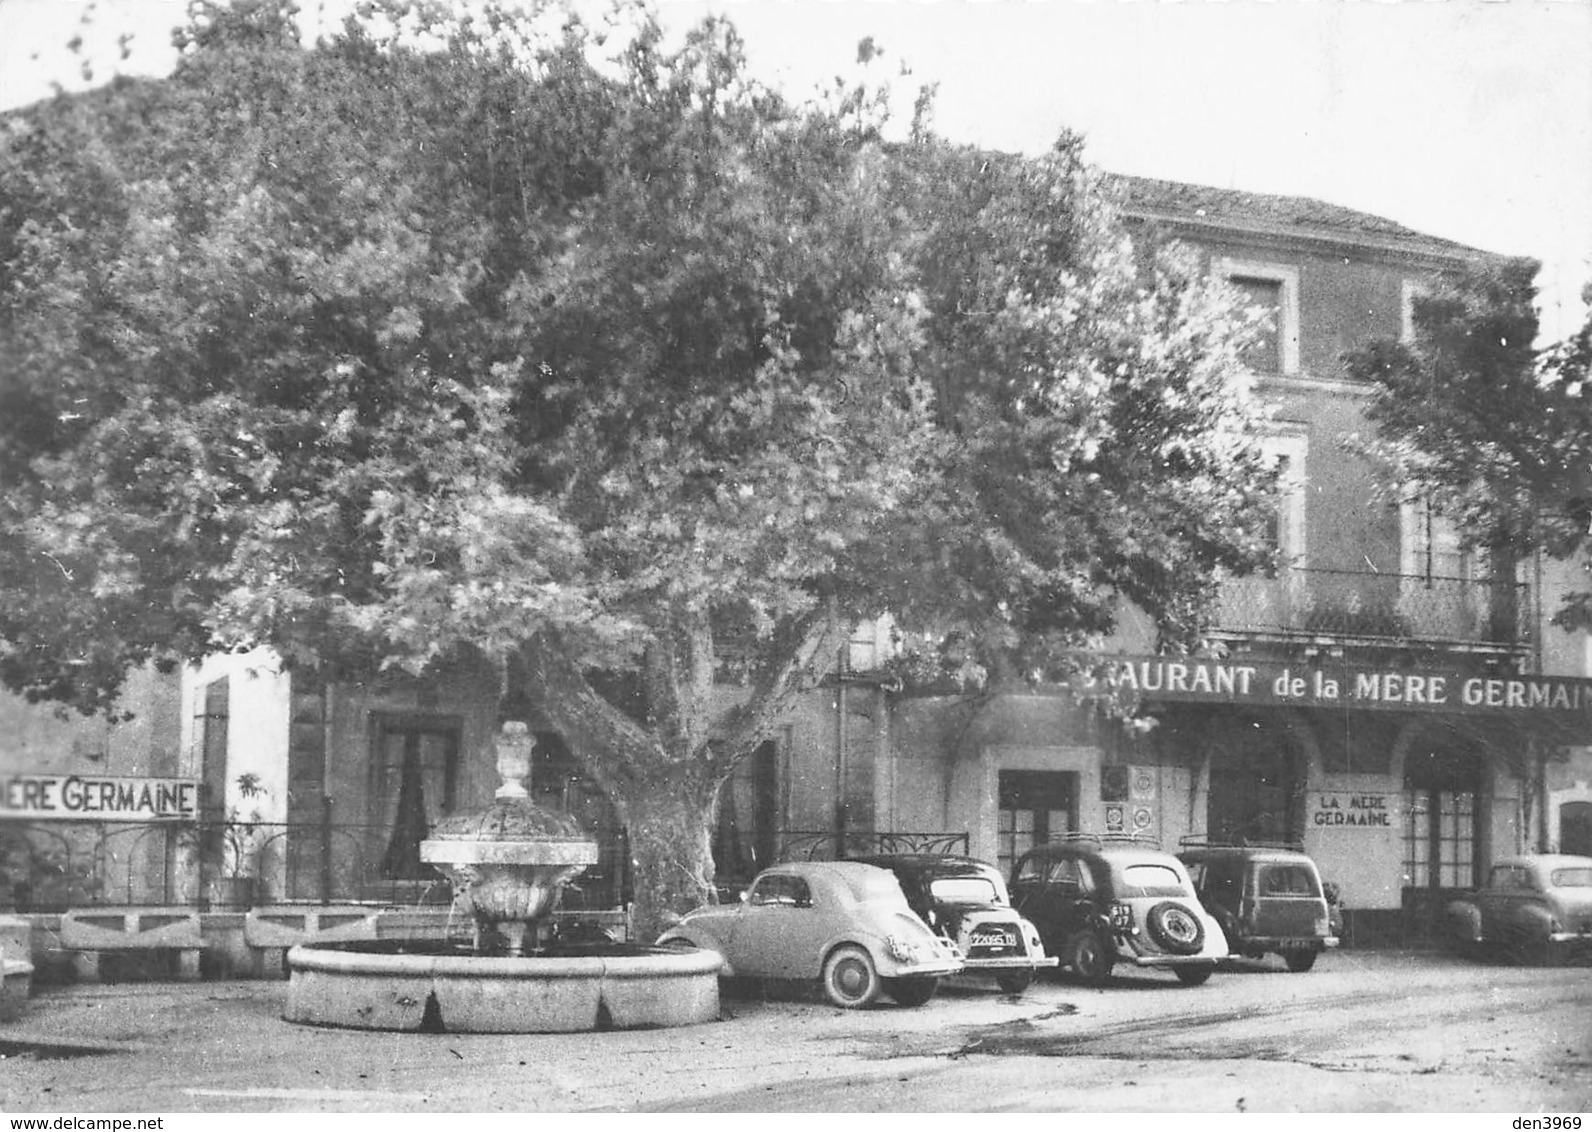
column 669, row 818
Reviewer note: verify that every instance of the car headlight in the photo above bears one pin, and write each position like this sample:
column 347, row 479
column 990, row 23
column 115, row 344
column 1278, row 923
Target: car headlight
column 903, row 950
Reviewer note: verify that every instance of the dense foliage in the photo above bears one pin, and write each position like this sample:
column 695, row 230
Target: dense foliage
column 548, row 344
column 1497, row 431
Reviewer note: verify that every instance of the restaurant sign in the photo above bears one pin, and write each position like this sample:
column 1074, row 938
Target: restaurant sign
column 86, row 797
column 1337, row 684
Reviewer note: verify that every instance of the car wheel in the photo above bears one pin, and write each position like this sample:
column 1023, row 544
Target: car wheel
column 850, row 978
column 1175, row 928
column 1193, row 976
column 912, row 992
column 1090, row 957
column 1014, row 982
column 1299, row 961
column 1528, row 949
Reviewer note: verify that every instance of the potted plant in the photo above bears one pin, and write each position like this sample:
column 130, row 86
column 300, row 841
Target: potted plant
column 229, row 849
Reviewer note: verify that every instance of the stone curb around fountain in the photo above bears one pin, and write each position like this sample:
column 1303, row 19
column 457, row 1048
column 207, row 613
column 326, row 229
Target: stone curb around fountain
column 502, row 994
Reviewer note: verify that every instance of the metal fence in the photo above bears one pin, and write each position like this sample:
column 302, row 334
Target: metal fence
column 54, row 867
column 830, row 845
column 58, row 866
column 1495, row 612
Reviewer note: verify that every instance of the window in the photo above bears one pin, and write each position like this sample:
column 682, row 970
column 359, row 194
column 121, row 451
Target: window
column 1274, row 289
column 786, row 891
column 415, row 772
column 1285, row 530
column 1068, row 875
column 1287, row 880
column 1431, row 546
column 1439, row 838
column 1264, row 354
column 1150, row 880
column 964, row 890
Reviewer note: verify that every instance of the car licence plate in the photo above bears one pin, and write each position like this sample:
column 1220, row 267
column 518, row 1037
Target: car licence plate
column 994, row 939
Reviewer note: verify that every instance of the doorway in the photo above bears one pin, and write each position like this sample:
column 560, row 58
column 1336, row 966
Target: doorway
column 1575, row 828
column 1257, row 783
column 1035, row 806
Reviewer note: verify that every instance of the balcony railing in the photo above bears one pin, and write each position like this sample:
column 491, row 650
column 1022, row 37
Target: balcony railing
column 1489, row 613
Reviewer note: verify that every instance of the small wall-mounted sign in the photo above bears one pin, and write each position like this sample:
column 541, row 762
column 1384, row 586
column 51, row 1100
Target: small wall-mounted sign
column 1357, row 810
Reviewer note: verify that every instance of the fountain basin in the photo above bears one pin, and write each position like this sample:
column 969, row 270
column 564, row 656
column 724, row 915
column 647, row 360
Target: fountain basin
column 434, row 986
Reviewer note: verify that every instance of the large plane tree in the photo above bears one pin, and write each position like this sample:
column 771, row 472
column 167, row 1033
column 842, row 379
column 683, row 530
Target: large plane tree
column 553, row 345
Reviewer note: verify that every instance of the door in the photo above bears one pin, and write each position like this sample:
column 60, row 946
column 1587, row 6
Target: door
column 1057, row 895
column 1575, row 828
column 1035, row 806
column 778, row 932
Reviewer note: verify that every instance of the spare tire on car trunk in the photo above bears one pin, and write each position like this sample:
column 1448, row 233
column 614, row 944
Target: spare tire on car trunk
column 1175, row 928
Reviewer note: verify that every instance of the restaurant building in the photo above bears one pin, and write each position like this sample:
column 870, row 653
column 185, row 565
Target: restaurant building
column 1393, row 701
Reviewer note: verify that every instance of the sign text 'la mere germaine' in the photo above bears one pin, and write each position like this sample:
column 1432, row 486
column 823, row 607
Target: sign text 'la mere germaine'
column 1262, row 682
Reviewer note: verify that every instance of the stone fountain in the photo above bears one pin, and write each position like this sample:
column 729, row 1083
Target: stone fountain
column 507, row 864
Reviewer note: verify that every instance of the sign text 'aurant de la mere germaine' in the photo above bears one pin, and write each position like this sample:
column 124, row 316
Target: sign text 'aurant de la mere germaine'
column 1263, row 682
column 85, row 797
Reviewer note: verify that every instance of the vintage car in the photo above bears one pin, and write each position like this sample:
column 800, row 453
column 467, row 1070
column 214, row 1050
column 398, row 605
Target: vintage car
column 841, row 922
column 1266, row 897
column 1534, row 909
column 965, row 900
column 1100, row 900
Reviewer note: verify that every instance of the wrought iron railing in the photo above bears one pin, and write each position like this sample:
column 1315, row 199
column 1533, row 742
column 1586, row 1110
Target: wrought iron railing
column 54, row 867
column 830, row 845
column 1363, row 605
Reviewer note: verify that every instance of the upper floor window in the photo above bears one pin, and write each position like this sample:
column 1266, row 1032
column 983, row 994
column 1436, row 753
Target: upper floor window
column 1285, row 528
column 1431, row 545
column 1409, row 291
column 1273, row 289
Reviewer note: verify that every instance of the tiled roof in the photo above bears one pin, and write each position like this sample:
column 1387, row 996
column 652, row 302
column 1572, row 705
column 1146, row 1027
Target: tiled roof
column 1288, row 215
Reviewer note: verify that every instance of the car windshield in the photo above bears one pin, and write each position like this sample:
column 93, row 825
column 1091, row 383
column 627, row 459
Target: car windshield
column 964, row 890
column 1572, row 878
column 1287, row 880
column 1151, row 880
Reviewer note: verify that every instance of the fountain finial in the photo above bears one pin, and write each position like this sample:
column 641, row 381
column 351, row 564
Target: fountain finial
column 514, row 759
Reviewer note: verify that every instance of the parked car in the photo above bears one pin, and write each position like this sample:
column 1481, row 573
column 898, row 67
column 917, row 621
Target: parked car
column 965, row 900
column 841, row 922
column 1266, row 897
column 1100, row 900
column 1535, row 908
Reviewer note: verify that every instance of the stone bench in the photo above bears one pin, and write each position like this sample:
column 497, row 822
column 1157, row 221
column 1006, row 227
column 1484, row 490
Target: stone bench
column 272, row 930
column 16, row 983
column 91, row 932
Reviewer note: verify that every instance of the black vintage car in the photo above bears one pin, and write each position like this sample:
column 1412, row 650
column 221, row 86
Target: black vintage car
column 965, row 900
column 1104, row 899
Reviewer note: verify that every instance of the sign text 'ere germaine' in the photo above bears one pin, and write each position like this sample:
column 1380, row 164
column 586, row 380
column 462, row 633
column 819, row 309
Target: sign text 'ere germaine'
column 82, row 797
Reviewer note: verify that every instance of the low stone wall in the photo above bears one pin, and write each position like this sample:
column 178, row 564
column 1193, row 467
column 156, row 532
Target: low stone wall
column 16, row 966
column 134, row 943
